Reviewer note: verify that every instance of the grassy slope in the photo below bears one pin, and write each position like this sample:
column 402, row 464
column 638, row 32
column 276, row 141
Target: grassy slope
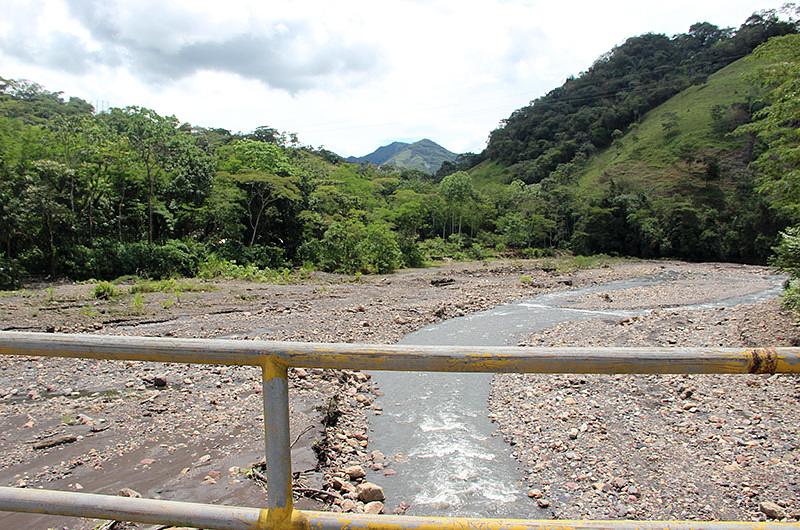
column 645, row 158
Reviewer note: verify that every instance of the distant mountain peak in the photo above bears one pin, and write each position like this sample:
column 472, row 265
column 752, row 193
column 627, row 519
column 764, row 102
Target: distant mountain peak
column 423, row 155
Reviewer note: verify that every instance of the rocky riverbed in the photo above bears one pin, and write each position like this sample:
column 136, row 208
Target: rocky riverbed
column 661, row 447
column 195, row 432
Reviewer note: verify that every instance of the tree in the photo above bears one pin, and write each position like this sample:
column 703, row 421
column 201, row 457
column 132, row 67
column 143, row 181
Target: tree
column 265, row 174
column 458, row 192
column 777, row 127
column 149, row 135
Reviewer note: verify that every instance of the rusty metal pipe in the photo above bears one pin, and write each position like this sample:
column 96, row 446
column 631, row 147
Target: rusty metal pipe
column 338, row 521
column 237, row 518
column 115, row 508
column 408, row 357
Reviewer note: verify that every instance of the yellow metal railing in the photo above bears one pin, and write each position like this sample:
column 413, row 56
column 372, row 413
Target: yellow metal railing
column 274, row 358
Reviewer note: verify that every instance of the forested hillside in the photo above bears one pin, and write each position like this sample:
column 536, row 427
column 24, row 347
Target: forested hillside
column 648, row 153
column 667, row 146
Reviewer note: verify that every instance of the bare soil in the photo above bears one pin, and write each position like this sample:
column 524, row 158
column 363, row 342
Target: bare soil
column 199, row 436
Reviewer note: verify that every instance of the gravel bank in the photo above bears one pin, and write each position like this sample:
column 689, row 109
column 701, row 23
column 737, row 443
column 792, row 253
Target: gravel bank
column 194, row 432
column 661, row 447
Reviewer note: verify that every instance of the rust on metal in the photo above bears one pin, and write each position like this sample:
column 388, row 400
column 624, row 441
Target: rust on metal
column 763, row 361
column 274, row 359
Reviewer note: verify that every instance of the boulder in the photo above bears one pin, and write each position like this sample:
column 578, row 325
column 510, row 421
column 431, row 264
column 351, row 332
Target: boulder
column 368, row 492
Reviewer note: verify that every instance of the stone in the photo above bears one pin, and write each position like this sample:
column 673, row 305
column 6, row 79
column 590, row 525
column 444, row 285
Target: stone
column 348, row 505
column 127, row 492
column 147, row 461
column 543, row 503
column 160, row 381
column 368, row 492
column 772, row 510
column 355, row 472
column 535, row 493
column 301, row 373
column 573, row 433
column 373, row 507
column 55, row 441
column 340, row 483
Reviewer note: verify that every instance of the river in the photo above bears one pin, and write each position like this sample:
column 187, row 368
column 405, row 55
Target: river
column 435, row 428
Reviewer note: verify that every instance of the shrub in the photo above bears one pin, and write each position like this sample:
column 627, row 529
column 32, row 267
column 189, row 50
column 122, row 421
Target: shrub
column 339, row 246
column 105, row 291
column 10, row 273
column 379, row 251
column 172, row 258
column 216, row 267
column 787, row 258
column 263, row 256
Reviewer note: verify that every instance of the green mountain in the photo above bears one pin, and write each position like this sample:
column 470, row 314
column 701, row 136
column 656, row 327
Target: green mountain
column 425, row 155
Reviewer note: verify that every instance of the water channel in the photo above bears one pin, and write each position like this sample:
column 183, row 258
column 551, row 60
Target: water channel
column 435, row 429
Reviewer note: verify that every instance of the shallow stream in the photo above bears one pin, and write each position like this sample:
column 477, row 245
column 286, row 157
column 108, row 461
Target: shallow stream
column 435, row 429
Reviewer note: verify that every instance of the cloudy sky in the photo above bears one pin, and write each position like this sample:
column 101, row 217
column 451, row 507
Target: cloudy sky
column 349, row 75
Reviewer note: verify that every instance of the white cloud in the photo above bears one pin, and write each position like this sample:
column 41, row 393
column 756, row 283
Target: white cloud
column 348, row 75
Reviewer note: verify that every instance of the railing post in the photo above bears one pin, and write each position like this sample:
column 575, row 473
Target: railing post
column 275, row 385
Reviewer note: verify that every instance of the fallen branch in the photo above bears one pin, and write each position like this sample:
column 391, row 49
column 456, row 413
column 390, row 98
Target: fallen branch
column 297, row 438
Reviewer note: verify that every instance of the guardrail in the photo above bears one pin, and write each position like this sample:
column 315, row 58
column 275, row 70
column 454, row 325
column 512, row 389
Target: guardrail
column 274, row 358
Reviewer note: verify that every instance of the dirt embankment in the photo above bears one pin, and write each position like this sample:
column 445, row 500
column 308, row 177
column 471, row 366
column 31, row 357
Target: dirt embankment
column 661, row 447
column 195, row 432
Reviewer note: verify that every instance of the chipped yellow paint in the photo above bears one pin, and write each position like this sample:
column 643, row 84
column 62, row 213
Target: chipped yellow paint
column 273, row 368
column 328, row 520
column 263, row 520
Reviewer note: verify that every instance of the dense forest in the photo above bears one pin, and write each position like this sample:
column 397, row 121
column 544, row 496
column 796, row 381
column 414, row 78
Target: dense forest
column 86, row 194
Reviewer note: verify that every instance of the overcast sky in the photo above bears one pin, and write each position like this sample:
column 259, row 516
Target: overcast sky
column 348, row 75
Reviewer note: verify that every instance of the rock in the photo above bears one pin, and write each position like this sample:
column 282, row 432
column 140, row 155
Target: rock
column 389, row 472
column 55, row 441
column 355, row 472
column 160, row 381
column 203, row 459
column 772, row 510
column 301, row 373
column 535, row 493
column 368, row 492
column 127, row 492
column 543, row 503
column 146, row 461
column 348, row 505
column 573, row 433
column 619, row 482
column 342, row 484
column 377, row 456
column 373, row 507
column 401, row 508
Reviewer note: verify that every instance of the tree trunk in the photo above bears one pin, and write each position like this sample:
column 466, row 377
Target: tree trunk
column 149, row 207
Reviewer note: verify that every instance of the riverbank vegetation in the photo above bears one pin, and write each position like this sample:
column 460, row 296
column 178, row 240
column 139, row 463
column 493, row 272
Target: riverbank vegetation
column 658, row 150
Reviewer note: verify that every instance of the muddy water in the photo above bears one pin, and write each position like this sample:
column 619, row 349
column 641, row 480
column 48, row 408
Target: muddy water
column 435, row 429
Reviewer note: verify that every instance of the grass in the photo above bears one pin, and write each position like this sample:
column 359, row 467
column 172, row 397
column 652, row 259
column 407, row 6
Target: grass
column 219, row 268
column 170, row 286
column 646, row 158
column 567, row 264
column 105, row 291
column 137, row 304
